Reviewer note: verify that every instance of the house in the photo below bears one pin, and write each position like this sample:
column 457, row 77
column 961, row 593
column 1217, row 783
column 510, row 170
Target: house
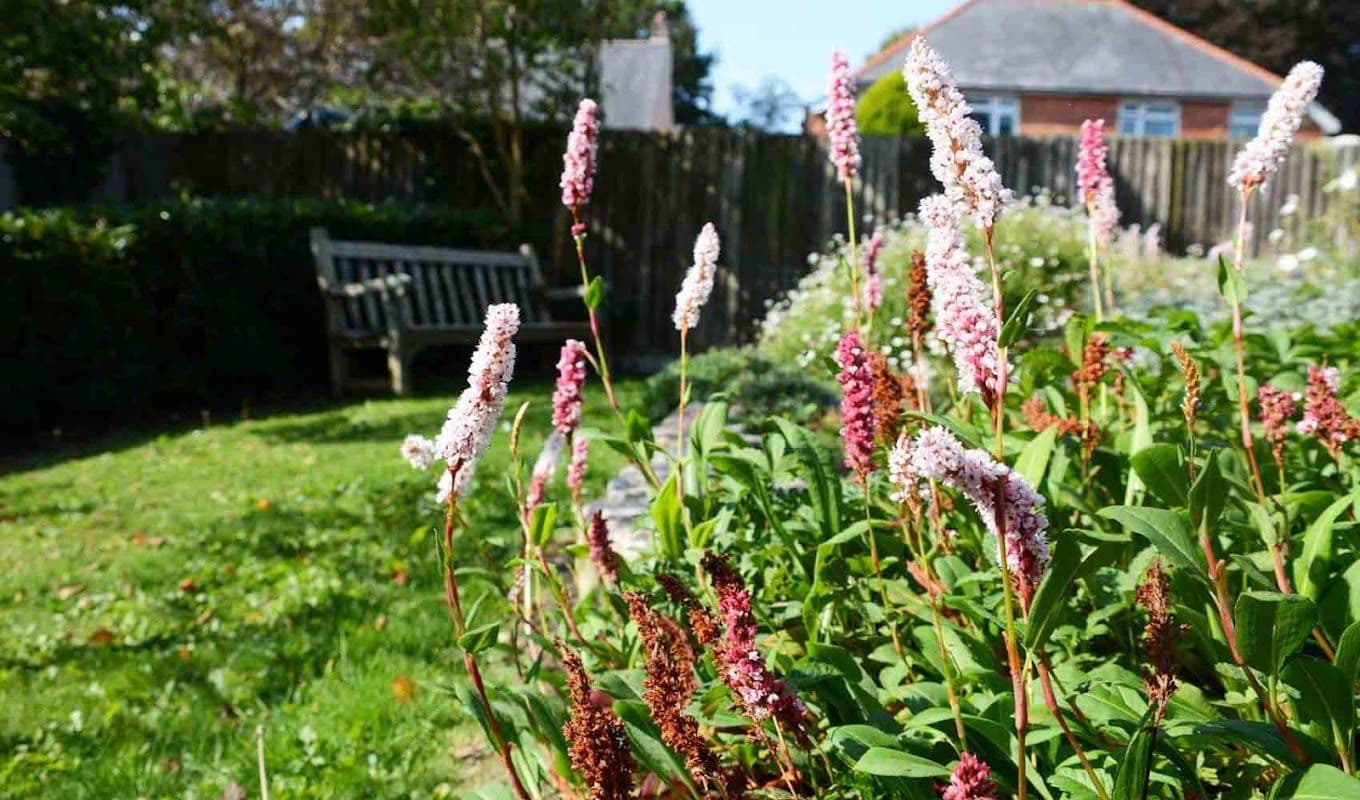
column 1040, row 67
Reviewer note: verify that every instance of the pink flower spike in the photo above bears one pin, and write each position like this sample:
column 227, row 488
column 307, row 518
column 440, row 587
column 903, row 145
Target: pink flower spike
column 578, row 161
column 840, row 118
column 971, row 780
column 964, row 321
column 857, row 404
column 418, row 451
column 571, row 379
column 1091, row 154
column 938, row 456
column 1105, row 213
column 741, row 666
column 602, row 553
column 470, row 423
column 873, row 279
column 544, row 469
column 1263, row 155
column 698, row 283
column 970, row 178
column 576, row 470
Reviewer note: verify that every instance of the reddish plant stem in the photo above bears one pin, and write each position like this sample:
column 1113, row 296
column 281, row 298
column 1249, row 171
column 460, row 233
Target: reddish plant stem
column 469, row 661
column 1218, row 575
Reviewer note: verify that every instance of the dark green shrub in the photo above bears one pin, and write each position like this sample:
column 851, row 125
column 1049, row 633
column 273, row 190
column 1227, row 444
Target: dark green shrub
column 757, row 385
column 113, row 311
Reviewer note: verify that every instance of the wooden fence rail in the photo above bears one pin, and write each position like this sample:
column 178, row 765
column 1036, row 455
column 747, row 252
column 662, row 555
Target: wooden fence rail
column 774, row 198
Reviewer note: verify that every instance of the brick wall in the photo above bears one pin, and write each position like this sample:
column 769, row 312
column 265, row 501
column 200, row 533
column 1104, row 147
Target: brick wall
column 1061, row 115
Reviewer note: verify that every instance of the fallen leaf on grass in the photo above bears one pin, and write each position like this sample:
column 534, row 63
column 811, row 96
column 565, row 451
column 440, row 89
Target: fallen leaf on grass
column 100, row 637
column 70, row 590
column 187, row 585
column 404, row 689
column 203, row 618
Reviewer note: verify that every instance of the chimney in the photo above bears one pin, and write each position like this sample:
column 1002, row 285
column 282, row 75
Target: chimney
column 661, row 29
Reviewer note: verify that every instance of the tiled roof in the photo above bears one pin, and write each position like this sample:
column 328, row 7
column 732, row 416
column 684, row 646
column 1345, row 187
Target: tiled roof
column 1077, row 47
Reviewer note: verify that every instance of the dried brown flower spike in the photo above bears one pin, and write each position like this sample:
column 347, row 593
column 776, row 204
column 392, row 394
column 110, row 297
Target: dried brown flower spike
column 597, row 741
column 1190, row 372
column 1159, row 639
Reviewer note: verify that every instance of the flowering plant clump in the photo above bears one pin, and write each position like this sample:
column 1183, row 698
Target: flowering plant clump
column 1028, row 554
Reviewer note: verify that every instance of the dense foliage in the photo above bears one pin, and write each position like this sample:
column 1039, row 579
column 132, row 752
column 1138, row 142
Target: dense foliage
column 885, row 109
column 128, row 309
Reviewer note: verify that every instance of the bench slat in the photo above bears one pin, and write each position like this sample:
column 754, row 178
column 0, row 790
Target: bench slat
column 420, row 301
column 379, row 251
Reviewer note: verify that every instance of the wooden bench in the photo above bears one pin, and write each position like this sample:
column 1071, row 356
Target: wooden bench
column 403, row 299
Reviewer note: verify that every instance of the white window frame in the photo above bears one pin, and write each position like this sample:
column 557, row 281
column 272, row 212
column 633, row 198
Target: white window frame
column 1135, row 113
column 1247, row 117
column 995, row 106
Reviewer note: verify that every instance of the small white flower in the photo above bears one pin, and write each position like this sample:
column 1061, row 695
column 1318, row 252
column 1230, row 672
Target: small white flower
column 1276, row 236
column 1287, row 263
column 1291, row 205
column 1308, row 254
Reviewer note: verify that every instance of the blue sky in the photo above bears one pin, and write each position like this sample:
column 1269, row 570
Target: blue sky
column 793, row 39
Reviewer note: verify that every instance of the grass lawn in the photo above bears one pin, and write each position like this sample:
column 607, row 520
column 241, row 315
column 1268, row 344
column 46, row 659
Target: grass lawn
column 163, row 598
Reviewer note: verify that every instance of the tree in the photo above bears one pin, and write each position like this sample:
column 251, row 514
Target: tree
column 886, row 109
column 70, row 81
column 1276, row 34
column 770, row 106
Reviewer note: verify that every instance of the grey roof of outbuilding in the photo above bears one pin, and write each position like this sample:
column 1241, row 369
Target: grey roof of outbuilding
column 1078, row 47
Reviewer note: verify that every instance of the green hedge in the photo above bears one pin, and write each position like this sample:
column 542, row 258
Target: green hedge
column 111, row 312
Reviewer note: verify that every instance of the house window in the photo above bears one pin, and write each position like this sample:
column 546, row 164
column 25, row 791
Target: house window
column 1244, row 119
column 998, row 114
column 1149, row 118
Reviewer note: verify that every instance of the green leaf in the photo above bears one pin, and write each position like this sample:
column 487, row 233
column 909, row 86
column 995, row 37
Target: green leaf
column 1271, row 626
column 480, row 638
column 1314, row 563
column 669, row 525
column 1018, row 321
column 637, row 428
column 646, row 739
column 1348, row 653
column 1325, row 696
column 542, row 522
column 594, row 293
column 1142, row 438
column 1230, row 282
column 1131, row 782
column 1034, row 458
column 1167, row 531
column 898, row 764
column 1208, row 494
column 1259, row 736
column 1066, row 568
column 1325, row 782
column 1074, row 335
column 1162, row 470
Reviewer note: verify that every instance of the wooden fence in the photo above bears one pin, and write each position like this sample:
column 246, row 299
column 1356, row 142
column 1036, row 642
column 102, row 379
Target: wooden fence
column 774, row 198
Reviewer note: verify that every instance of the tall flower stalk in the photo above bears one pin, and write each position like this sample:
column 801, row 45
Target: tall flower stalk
column 694, row 292
column 461, row 443
column 578, row 180
column 844, row 142
column 1096, row 189
column 1255, row 163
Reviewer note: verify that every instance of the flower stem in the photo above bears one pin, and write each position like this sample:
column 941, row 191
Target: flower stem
column 680, row 422
column 854, row 254
column 1243, row 407
column 1094, row 262
column 1017, row 669
column 579, row 235
column 469, row 660
column 1051, row 700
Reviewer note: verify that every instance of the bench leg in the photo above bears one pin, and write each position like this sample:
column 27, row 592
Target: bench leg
column 339, row 370
column 398, row 365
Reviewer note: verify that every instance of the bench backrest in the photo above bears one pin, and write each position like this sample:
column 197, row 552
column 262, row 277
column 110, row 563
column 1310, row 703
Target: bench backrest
column 449, row 289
